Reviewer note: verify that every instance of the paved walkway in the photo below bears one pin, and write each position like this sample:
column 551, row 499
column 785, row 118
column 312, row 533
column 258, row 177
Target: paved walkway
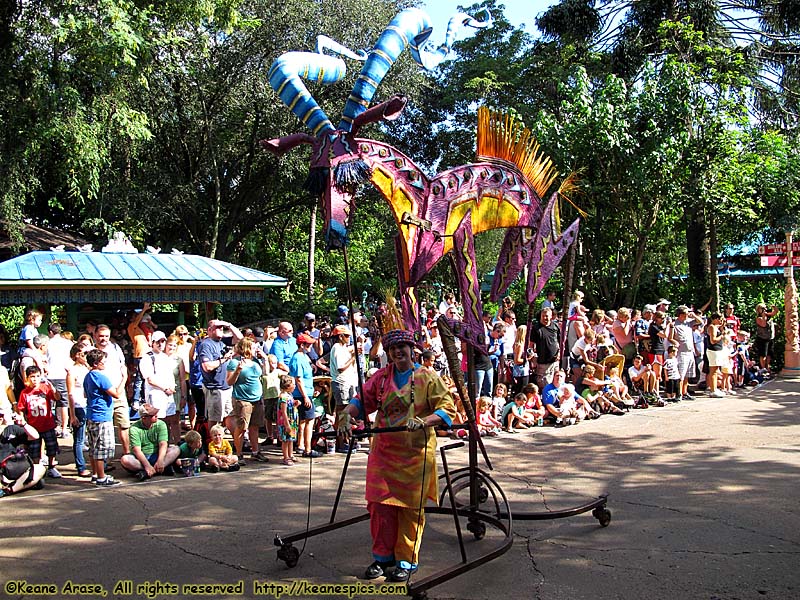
column 703, row 496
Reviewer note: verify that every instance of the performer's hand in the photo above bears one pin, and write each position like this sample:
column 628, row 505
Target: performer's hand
column 344, row 423
column 415, row 424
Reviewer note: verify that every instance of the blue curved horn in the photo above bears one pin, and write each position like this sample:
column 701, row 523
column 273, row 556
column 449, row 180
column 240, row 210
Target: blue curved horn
column 286, row 77
column 410, row 28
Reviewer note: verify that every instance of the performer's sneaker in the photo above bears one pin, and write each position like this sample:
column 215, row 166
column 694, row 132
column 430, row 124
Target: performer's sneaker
column 400, row 574
column 377, row 569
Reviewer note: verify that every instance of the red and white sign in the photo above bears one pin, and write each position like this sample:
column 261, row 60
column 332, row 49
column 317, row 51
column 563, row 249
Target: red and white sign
column 779, row 261
column 777, row 249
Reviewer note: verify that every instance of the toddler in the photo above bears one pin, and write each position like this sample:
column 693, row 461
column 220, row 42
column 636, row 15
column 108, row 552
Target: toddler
column 534, row 408
column 191, row 447
column 500, row 399
column 287, row 419
column 673, row 374
column 487, row 424
column 220, row 452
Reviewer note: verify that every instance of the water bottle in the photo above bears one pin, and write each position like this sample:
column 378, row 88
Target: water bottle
column 540, row 422
column 197, row 467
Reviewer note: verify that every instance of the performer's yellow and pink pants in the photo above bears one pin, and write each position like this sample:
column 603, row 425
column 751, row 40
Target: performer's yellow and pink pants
column 396, row 533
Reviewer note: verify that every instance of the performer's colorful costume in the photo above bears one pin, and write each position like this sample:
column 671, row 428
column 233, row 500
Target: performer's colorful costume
column 401, row 472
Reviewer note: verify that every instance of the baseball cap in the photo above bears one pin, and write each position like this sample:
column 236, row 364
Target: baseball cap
column 649, row 308
column 311, row 317
column 343, row 309
column 259, row 333
column 341, row 330
column 304, row 338
column 664, row 301
column 159, row 335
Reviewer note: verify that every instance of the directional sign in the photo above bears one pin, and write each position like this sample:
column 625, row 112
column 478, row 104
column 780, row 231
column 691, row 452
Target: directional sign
column 779, row 261
column 777, row 249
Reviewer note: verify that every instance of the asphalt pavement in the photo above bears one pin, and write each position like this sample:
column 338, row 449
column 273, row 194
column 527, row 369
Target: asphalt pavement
column 702, row 494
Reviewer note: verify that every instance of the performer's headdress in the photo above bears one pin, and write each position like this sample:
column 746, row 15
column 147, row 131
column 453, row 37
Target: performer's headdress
column 396, row 337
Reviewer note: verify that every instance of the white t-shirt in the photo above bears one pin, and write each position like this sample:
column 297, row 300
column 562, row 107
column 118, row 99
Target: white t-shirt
column 78, row 373
column 58, row 359
column 160, row 368
column 340, row 354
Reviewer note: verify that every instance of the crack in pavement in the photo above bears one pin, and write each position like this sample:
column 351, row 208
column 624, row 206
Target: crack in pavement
column 715, row 520
column 536, row 568
column 154, row 535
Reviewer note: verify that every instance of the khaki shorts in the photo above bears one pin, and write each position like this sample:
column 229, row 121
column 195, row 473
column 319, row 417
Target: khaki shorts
column 219, row 403
column 122, row 415
column 248, row 414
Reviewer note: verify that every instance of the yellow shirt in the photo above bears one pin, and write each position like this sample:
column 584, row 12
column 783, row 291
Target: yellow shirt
column 224, row 448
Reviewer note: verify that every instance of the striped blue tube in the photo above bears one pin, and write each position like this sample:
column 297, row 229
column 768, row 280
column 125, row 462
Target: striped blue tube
column 410, row 28
column 286, row 77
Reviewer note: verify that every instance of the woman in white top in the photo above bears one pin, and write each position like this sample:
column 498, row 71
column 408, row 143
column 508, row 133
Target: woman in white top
column 77, row 405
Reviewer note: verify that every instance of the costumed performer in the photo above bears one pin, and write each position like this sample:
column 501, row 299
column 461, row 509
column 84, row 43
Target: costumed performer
column 401, row 471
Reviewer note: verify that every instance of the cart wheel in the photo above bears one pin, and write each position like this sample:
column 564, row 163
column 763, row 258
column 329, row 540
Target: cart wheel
column 477, row 528
column 289, row 554
column 603, row 515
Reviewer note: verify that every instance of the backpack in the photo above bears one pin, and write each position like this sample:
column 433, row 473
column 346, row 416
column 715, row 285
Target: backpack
column 201, row 427
column 14, row 466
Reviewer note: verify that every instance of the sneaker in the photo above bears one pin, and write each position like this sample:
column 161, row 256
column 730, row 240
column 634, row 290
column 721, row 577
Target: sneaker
column 717, row 394
column 378, row 569
column 107, row 481
column 141, row 475
column 344, row 449
column 212, row 468
column 233, row 468
column 53, row 473
column 688, row 397
column 94, row 478
column 242, row 462
column 259, row 457
column 312, row 454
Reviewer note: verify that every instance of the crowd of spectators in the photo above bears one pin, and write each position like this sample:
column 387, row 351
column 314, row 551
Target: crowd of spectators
column 220, row 398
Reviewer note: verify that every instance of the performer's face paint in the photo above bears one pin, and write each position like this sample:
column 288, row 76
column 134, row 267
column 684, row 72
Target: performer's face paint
column 401, row 356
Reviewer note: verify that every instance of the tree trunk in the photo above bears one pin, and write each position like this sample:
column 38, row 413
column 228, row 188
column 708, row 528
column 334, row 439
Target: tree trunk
column 713, row 275
column 312, row 247
column 698, row 250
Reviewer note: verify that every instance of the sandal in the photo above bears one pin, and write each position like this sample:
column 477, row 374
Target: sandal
column 86, row 473
column 288, row 462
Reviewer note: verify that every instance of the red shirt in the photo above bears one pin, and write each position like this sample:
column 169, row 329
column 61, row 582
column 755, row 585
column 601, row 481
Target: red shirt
column 733, row 322
column 37, row 406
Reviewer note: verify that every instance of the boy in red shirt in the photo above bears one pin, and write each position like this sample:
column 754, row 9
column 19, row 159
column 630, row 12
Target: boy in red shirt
column 36, row 403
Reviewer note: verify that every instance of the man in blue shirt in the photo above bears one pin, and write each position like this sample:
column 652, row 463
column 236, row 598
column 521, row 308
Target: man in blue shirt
column 284, row 345
column 214, row 352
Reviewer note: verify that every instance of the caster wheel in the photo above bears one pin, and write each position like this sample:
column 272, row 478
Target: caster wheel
column 603, row 516
column 477, row 528
column 483, row 494
column 290, row 555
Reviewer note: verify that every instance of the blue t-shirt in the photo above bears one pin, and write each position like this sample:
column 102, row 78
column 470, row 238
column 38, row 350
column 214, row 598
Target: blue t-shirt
column 300, row 366
column 247, row 386
column 550, row 395
column 284, row 350
column 99, row 403
column 210, row 350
